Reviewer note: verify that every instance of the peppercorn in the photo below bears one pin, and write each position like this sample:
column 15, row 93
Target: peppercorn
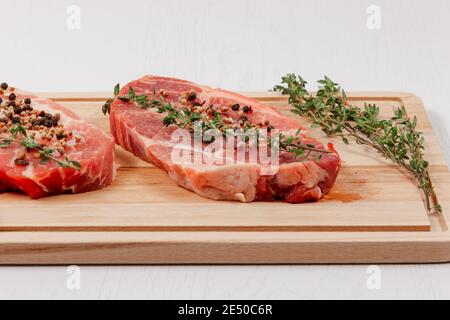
column 27, row 107
column 4, row 86
column 48, row 123
column 246, row 109
column 235, row 107
column 27, row 101
column 192, row 96
column 16, row 119
column 43, row 122
column 17, row 109
column 1, row 100
column 12, row 97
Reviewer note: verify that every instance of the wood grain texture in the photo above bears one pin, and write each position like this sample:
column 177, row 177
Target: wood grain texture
column 145, row 218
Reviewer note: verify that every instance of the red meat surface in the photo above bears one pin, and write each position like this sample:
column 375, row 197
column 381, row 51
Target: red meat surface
column 94, row 152
column 141, row 132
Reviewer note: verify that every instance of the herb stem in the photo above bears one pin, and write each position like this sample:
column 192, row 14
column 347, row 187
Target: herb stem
column 396, row 139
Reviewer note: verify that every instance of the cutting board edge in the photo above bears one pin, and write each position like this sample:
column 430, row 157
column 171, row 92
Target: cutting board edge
column 162, row 248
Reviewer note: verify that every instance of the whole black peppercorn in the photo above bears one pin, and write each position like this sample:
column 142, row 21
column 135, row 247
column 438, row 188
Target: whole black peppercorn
column 48, row 123
column 16, row 119
column 12, row 97
column 4, row 86
column 1, row 100
column 192, row 96
column 27, row 107
column 27, row 101
column 17, row 109
column 235, row 107
column 246, row 109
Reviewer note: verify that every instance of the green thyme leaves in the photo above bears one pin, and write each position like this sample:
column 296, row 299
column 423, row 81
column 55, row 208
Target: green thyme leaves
column 29, row 143
column 106, row 108
column 116, row 90
column 5, row 143
column 187, row 117
column 396, row 138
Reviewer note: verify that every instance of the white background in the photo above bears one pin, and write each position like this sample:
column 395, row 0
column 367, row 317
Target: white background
column 240, row 45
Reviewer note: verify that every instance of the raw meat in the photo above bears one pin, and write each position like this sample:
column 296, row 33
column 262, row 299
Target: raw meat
column 93, row 150
column 141, row 132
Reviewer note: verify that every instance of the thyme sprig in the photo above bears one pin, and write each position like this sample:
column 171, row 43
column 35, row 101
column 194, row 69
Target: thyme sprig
column 27, row 142
column 187, row 119
column 396, row 138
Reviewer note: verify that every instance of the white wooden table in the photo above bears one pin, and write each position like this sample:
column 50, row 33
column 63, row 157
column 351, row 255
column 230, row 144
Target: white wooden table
column 240, row 45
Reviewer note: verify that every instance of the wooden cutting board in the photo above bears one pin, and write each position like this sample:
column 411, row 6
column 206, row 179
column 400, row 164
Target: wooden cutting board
column 374, row 214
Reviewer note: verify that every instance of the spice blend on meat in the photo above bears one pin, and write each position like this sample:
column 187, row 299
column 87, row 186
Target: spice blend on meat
column 41, row 134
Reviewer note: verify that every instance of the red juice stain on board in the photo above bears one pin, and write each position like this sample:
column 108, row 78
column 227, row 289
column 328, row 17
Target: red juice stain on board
column 343, row 196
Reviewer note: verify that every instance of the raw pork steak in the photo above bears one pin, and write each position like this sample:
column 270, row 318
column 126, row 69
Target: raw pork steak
column 142, row 132
column 54, row 128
